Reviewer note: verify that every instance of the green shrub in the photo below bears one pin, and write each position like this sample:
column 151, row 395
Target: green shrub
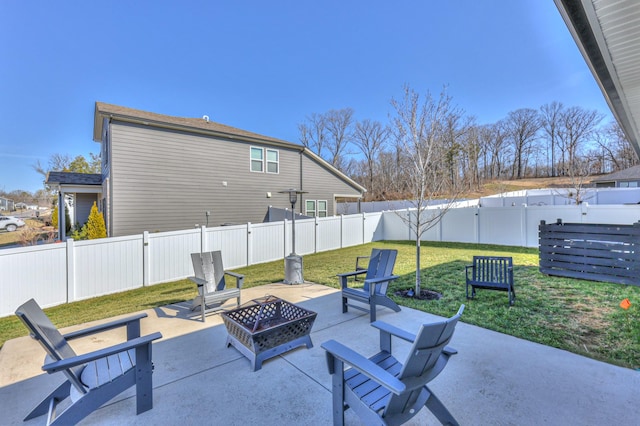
column 95, row 227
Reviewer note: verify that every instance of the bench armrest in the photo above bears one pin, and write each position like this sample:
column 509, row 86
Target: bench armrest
column 107, row 326
column 67, row 363
column 363, row 365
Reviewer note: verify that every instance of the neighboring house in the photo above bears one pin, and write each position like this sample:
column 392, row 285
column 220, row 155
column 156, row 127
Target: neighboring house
column 162, row 173
column 6, row 204
column 627, row 178
column 78, row 191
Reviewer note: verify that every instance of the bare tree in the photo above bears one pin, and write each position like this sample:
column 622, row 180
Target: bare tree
column 576, row 126
column 522, row 126
column 616, row 147
column 550, row 117
column 419, row 131
column 338, row 125
column 370, row 137
column 57, row 162
column 313, row 133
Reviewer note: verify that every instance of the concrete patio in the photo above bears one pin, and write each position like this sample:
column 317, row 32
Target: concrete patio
column 494, row 380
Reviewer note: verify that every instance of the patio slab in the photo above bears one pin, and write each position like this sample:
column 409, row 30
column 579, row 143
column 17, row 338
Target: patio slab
column 495, row 379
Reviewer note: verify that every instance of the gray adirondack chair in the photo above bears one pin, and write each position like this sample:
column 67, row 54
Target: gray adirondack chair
column 93, row 378
column 212, row 286
column 379, row 273
column 380, row 389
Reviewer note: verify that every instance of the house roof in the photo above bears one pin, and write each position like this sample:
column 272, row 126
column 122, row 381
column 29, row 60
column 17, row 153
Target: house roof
column 608, row 36
column 179, row 123
column 202, row 126
column 632, row 173
column 69, row 178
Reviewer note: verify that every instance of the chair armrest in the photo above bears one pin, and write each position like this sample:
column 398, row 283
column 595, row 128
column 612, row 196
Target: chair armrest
column 102, row 353
column 104, row 327
column 239, row 278
column 351, row 274
column 363, row 365
column 394, row 331
column 448, row 350
column 381, row 279
column 358, row 261
column 199, row 281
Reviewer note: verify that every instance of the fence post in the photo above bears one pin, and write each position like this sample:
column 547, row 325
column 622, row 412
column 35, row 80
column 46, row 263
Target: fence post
column 316, row 230
column 341, row 230
column 249, row 245
column 146, row 264
column 523, row 225
column 477, row 225
column 363, row 227
column 203, row 239
column 284, row 236
column 71, row 272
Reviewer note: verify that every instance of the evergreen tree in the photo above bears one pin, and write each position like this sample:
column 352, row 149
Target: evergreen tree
column 95, row 224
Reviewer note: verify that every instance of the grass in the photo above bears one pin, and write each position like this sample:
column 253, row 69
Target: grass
column 583, row 317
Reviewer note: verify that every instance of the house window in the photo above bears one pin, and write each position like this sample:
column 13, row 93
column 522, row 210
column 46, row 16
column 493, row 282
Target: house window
column 316, row 208
column 310, row 209
column 322, row 208
column 257, row 160
column 272, row 161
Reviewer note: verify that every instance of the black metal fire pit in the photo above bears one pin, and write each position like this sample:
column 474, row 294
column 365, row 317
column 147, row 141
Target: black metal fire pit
column 267, row 327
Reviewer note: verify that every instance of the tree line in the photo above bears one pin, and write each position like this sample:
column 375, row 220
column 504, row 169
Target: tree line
column 552, row 140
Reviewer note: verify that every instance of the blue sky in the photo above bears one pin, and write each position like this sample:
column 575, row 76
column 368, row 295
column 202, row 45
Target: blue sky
column 264, row 66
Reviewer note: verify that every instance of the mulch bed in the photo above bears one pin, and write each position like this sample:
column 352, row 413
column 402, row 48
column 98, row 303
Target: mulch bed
column 424, row 294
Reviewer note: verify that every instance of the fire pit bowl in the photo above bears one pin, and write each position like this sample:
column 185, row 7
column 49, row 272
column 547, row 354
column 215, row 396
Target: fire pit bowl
column 267, row 327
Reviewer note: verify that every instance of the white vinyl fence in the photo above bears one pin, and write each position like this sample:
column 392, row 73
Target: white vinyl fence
column 74, row 270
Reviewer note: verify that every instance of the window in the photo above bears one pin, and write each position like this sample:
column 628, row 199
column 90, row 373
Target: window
column 310, row 209
column 316, row 208
column 272, row 161
column 322, row 208
column 257, row 157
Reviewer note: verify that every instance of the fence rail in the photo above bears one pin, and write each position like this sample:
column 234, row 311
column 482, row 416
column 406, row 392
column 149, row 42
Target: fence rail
column 76, row 270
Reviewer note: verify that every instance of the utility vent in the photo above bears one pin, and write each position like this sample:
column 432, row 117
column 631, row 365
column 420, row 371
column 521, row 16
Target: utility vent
column 205, row 118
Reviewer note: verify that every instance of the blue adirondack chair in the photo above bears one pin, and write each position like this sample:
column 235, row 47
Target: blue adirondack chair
column 93, row 378
column 379, row 273
column 380, row 389
column 212, row 286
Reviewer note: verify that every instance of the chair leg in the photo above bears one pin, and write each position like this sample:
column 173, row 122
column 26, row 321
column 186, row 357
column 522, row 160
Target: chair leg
column 439, row 410
column 337, row 392
column 372, row 311
column 345, row 307
column 144, row 382
column 60, row 393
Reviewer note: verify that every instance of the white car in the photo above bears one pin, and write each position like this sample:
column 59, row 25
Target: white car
column 10, row 223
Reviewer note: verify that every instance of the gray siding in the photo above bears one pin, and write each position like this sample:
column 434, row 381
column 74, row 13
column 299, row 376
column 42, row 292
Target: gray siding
column 83, row 204
column 163, row 180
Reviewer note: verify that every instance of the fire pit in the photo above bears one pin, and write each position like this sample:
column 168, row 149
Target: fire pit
column 267, row 327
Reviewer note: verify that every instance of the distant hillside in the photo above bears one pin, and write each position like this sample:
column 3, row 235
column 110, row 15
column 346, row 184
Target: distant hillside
column 499, row 186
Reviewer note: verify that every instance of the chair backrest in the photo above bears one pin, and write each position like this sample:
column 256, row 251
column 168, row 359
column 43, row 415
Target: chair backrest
column 208, row 266
column 54, row 344
column 492, row 268
column 381, row 263
column 421, row 365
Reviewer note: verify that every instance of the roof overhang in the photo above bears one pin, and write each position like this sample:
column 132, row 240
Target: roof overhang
column 607, row 33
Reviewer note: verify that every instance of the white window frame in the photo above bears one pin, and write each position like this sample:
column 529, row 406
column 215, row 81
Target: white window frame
column 252, row 160
column 307, row 212
column 268, row 162
column 322, row 212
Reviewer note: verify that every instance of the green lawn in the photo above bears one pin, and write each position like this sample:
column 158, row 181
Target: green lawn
column 583, row 317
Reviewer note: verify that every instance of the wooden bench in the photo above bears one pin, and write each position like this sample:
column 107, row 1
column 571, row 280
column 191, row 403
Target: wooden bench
column 492, row 273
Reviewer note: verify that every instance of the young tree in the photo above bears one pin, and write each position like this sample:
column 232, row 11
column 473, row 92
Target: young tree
column 313, row 133
column 420, row 135
column 338, row 125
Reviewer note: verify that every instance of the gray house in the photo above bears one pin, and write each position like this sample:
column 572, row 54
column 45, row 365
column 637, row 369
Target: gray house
column 162, row 173
column 78, row 191
column 627, row 178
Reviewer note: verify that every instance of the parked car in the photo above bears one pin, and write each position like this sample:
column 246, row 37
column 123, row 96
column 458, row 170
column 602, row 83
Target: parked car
column 10, row 223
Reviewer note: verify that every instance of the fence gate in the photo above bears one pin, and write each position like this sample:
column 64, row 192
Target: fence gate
column 595, row 252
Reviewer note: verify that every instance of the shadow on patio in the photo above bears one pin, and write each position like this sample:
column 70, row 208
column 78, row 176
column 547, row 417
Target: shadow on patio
column 495, row 379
